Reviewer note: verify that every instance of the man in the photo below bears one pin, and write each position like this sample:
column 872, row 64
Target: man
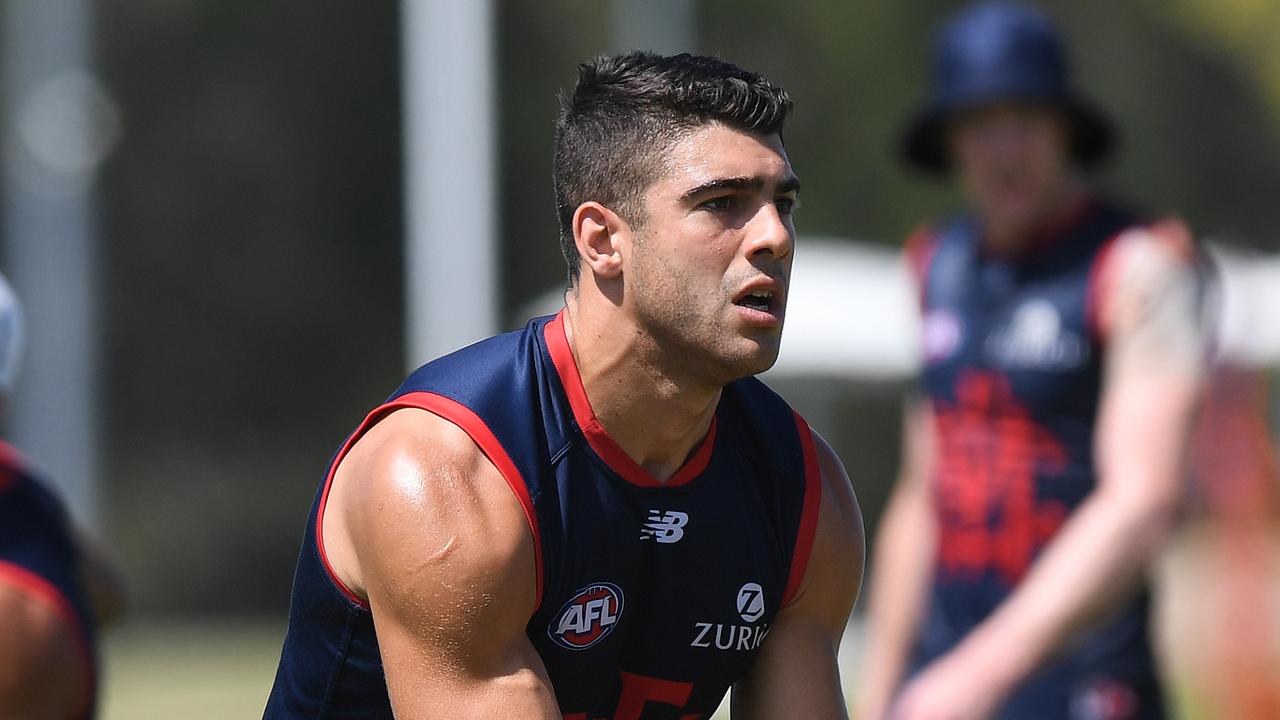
column 1061, row 366
column 603, row 515
column 54, row 588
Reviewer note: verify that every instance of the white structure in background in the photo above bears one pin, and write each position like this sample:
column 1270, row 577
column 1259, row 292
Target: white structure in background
column 1248, row 312
column 60, row 125
column 449, row 120
column 852, row 312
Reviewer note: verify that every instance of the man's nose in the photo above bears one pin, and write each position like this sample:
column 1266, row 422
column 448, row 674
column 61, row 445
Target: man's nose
column 767, row 232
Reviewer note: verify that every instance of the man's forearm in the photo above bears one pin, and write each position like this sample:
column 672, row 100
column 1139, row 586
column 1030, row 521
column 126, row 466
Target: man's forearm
column 1094, row 563
column 903, row 561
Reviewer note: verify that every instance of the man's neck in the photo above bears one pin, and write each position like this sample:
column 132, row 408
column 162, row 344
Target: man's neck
column 656, row 416
column 1058, row 213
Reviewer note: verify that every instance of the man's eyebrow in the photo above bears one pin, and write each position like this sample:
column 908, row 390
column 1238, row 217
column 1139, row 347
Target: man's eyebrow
column 789, row 185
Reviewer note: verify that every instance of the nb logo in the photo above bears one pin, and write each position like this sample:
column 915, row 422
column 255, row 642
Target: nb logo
column 664, row 527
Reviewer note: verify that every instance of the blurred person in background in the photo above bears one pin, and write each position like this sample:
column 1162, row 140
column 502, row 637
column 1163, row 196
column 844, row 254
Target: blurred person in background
column 1043, row 463
column 55, row 587
column 1231, row 578
column 604, row 515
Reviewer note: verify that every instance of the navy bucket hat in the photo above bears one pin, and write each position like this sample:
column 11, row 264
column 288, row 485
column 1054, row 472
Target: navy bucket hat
column 1000, row 51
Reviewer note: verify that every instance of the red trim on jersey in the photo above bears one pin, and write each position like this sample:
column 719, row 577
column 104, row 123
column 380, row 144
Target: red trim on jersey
column 46, row 593
column 1169, row 232
column 918, row 251
column 1094, row 290
column 12, row 464
column 597, row 437
column 470, row 423
column 808, row 515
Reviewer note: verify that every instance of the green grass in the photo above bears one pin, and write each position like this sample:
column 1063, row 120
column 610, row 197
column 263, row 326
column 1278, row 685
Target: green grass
column 222, row 670
column 194, row 671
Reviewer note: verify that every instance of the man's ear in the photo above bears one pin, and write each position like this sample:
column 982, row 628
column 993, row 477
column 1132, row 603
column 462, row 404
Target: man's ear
column 598, row 232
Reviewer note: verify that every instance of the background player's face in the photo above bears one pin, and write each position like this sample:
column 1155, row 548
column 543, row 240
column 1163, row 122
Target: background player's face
column 711, row 263
column 1012, row 161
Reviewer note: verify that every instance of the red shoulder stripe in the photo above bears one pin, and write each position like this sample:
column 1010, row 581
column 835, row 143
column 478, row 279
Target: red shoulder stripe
column 1170, row 232
column 479, row 432
column 1095, row 290
column 918, row 252
column 809, row 513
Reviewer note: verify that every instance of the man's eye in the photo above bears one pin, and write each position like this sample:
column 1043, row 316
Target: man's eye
column 786, row 206
column 724, row 202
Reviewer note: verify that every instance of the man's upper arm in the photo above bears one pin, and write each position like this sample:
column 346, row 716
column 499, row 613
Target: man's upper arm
column 441, row 548
column 1155, row 355
column 42, row 672
column 796, row 674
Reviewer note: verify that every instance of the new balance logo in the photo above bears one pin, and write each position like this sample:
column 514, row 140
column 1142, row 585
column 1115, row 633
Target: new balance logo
column 664, row 527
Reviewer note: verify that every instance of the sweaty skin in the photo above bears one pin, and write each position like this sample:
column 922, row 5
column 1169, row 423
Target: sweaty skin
column 421, row 524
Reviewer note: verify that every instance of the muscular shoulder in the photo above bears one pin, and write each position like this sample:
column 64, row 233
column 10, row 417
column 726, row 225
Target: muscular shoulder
column 426, row 513
column 1143, row 266
column 42, row 674
column 1148, row 307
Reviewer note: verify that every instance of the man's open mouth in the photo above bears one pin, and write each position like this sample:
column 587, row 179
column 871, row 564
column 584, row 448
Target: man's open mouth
column 757, row 300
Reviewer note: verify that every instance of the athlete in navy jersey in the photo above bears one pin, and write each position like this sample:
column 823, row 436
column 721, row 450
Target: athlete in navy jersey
column 604, row 515
column 48, row 623
column 55, row 589
column 1061, row 366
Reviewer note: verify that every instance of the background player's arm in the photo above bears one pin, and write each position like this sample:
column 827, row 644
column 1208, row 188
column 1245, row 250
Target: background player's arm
column 901, row 568
column 426, row 528
column 796, row 675
column 42, row 673
column 1153, row 367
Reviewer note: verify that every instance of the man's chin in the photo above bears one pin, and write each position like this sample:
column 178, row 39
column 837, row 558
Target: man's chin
column 754, row 362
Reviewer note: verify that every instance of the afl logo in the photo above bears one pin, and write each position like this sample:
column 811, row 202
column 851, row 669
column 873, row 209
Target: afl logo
column 589, row 616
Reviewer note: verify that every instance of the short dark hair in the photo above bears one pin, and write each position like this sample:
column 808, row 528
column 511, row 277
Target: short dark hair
column 626, row 112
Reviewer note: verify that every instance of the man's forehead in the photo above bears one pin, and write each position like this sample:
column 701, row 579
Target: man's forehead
column 717, row 151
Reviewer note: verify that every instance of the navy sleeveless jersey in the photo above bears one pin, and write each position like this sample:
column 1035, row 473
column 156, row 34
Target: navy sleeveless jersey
column 38, row 556
column 653, row 599
column 1013, row 371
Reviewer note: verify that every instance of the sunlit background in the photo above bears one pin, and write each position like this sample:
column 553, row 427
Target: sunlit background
column 209, row 208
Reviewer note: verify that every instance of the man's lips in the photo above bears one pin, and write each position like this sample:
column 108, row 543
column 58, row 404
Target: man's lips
column 765, row 296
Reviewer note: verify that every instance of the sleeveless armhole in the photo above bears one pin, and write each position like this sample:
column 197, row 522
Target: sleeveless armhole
column 808, row 514
column 1169, row 232
column 46, row 593
column 470, row 423
column 918, row 252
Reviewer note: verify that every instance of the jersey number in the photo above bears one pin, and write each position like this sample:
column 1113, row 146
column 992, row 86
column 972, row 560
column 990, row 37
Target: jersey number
column 639, row 690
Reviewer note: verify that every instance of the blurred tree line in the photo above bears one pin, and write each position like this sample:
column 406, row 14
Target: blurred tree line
column 251, row 220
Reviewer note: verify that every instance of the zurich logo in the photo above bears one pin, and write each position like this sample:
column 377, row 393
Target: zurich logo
column 588, row 617
column 751, row 602
column 664, row 527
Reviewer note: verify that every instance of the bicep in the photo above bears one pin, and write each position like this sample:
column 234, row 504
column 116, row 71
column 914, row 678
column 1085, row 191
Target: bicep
column 42, row 673
column 446, row 559
column 797, row 674
column 1155, row 353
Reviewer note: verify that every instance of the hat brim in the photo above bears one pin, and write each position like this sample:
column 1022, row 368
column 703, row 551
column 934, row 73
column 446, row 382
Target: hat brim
column 924, row 145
